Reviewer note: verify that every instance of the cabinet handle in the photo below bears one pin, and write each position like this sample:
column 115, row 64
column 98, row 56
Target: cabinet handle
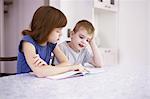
column 107, row 51
column 100, row 0
column 107, row 6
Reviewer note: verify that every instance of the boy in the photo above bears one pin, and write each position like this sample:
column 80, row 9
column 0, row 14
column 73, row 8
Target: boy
column 76, row 50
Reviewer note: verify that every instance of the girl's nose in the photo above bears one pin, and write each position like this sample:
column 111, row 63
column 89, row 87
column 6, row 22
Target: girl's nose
column 60, row 34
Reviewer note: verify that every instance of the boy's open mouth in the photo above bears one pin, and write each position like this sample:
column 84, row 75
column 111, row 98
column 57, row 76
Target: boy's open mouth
column 81, row 45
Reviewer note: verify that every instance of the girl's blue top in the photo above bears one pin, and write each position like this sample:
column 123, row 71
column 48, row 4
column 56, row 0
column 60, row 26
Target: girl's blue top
column 43, row 51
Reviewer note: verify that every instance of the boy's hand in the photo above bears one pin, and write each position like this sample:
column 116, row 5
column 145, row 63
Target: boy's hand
column 38, row 61
column 91, row 41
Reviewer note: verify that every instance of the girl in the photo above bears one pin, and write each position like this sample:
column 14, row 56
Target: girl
column 37, row 44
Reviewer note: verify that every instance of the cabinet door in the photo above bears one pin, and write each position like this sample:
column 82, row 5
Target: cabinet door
column 110, row 56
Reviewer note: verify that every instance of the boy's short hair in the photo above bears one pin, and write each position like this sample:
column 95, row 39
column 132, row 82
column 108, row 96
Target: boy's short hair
column 85, row 24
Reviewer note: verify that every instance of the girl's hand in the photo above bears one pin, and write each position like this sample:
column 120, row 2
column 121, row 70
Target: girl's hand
column 79, row 68
column 38, row 61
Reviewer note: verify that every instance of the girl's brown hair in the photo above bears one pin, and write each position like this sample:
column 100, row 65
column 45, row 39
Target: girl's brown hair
column 85, row 24
column 45, row 19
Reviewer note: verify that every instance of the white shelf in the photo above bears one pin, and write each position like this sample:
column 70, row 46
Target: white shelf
column 106, row 5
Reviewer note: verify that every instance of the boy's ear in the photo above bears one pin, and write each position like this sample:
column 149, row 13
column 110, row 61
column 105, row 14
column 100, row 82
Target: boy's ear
column 71, row 33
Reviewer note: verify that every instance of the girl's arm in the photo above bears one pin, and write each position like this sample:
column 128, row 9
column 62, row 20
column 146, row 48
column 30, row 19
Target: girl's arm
column 62, row 59
column 97, row 60
column 47, row 70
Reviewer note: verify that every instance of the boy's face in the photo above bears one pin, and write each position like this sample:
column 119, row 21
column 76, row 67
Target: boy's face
column 54, row 36
column 80, row 39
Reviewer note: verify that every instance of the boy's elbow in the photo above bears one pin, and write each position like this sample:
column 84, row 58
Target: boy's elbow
column 67, row 63
column 99, row 65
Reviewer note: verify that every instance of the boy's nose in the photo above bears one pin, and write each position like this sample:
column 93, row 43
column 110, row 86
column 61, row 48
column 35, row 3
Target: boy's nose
column 84, row 42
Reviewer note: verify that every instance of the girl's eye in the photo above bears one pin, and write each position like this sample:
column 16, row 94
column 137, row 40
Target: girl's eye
column 58, row 32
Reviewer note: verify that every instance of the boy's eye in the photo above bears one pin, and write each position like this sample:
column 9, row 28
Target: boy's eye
column 88, row 40
column 81, row 37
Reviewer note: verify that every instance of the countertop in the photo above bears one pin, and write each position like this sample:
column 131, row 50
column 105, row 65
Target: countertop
column 115, row 82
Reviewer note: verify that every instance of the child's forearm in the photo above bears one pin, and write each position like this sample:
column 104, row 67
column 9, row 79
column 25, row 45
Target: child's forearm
column 97, row 57
column 50, row 70
column 63, row 64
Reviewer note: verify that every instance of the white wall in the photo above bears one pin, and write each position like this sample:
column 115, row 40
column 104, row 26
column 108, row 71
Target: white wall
column 148, row 78
column 18, row 18
column 148, row 2
column 133, row 39
column 133, row 32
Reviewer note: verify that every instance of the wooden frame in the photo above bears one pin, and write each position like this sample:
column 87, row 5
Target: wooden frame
column 14, row 58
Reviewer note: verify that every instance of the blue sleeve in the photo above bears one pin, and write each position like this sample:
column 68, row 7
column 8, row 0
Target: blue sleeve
column 52, row 46
column 26, row 38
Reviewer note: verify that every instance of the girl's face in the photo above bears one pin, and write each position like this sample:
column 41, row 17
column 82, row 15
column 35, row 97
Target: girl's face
column 54, row 36
column 80, row 39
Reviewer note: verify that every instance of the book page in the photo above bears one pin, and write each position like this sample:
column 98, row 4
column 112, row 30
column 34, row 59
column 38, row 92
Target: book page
column 65, row 75
column 76, row 73
column 95, row 70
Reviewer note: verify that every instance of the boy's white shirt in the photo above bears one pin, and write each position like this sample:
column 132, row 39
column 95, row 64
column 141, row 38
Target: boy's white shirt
column 84, row 56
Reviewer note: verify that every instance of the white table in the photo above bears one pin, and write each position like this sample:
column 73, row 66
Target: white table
column 115, row 82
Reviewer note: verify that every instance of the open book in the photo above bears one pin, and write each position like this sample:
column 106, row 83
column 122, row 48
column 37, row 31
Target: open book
column 71, row 74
